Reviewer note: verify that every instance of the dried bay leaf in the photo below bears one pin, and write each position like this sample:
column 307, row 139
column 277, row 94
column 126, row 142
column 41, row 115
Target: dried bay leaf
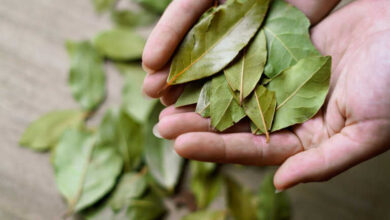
column 163, row 162
column 300, row 91
column 122, row 132
column 131, row 19
column 103, row 5
column 244, row 74
column 44, row 133
column 86, row 76
column 224, row 110
column 205, row 183
column 271, row 205
column 260, row 108
column 85, row 170
column 133, row 101
column 119, row 44
column 155, row 5
column 216, row 40
column 288, row 39
column 190, row 94
column 203, row 103
column 206, row 215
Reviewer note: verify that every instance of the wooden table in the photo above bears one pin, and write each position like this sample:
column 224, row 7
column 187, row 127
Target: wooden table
column 33, row 74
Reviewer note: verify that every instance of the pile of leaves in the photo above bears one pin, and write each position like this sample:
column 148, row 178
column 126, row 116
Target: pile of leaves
column 252, row 59
column 119, row 169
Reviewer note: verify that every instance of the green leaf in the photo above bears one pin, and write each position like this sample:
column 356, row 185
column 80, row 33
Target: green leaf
column 244, row 74
column 148, row 207
column 85, row 170
column 260, row 108
column 240, row 201
column 272, row 206
column 119, row 130
column 224, row 110
column 103, row 5
column 119, row 44
column 155, row 5
column 132, row 19
column 206, row 215
column 163, row 162
column 131, row 186
column 43, row 134
column 203, row 103
column 86, row 78
column 300, row 91
column 205, row 184
column 190, row 94
column 135, row 103
column 288, row 39
column 216, row 40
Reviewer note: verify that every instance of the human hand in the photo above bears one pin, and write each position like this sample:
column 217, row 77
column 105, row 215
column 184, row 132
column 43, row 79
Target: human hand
column 353, row 125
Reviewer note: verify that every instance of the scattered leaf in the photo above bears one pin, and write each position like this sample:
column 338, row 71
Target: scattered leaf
column 244, row 74
column 216, row 40
column 163, row 162
column 103, row 5
column 131, row 19
column 86, row 77
column 224, row 110
column 44, row 133
column 85, row 171
column 155, row 5
column 288, row 39
column 272, row 206
column 205, row 183
column 300, row 91
column 134, row 102
column 260, row 108
column 120, row 44
column 206, row 215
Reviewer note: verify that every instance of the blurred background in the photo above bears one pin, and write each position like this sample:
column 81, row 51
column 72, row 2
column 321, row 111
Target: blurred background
column 33, row 74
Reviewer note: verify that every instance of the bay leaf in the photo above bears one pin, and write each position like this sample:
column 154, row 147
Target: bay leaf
column 131, row 186
column 132, row 19
column 300, row 91
column 224, row 110
column 204, row 183
column 288, row 39
column 134, row 102
column 240, row 201
column 190, row 94
column 203, row 103
column 244, row 74
column 86, row 77
column 120, row 44
column 103, row 5
column 206, row 215
column 119, row 130
column 155, row 5
column 271, row 205
column 163, row 162
column 260, row 108
column 216, row 40
column 85, row 170
column 44, row 133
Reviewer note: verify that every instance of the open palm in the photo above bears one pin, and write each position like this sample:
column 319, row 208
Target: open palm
column 353, row 125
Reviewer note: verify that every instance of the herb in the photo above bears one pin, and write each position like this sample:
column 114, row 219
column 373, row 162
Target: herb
column 190, row 94
column 206, row 215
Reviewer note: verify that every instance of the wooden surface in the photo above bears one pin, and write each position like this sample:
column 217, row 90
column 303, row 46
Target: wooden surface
column 33, row 74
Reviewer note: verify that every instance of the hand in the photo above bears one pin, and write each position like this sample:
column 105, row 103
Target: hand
column 353, row 125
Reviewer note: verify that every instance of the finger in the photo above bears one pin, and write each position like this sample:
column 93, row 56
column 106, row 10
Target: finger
column 154, row 83
column 170, row 110
column 171, row 94
column 172, row 126
column 170, row 30
column 315, row 10
column 329, row 159
column 241, row 148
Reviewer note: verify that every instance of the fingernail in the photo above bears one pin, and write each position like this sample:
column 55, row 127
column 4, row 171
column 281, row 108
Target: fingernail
column 155, row 131
column 277, row 191
column 147, row 69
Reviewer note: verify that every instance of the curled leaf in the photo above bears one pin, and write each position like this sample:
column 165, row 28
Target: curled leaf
column 203, row 104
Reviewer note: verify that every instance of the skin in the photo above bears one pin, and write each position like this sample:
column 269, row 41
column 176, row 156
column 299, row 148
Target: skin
column 352, row 126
